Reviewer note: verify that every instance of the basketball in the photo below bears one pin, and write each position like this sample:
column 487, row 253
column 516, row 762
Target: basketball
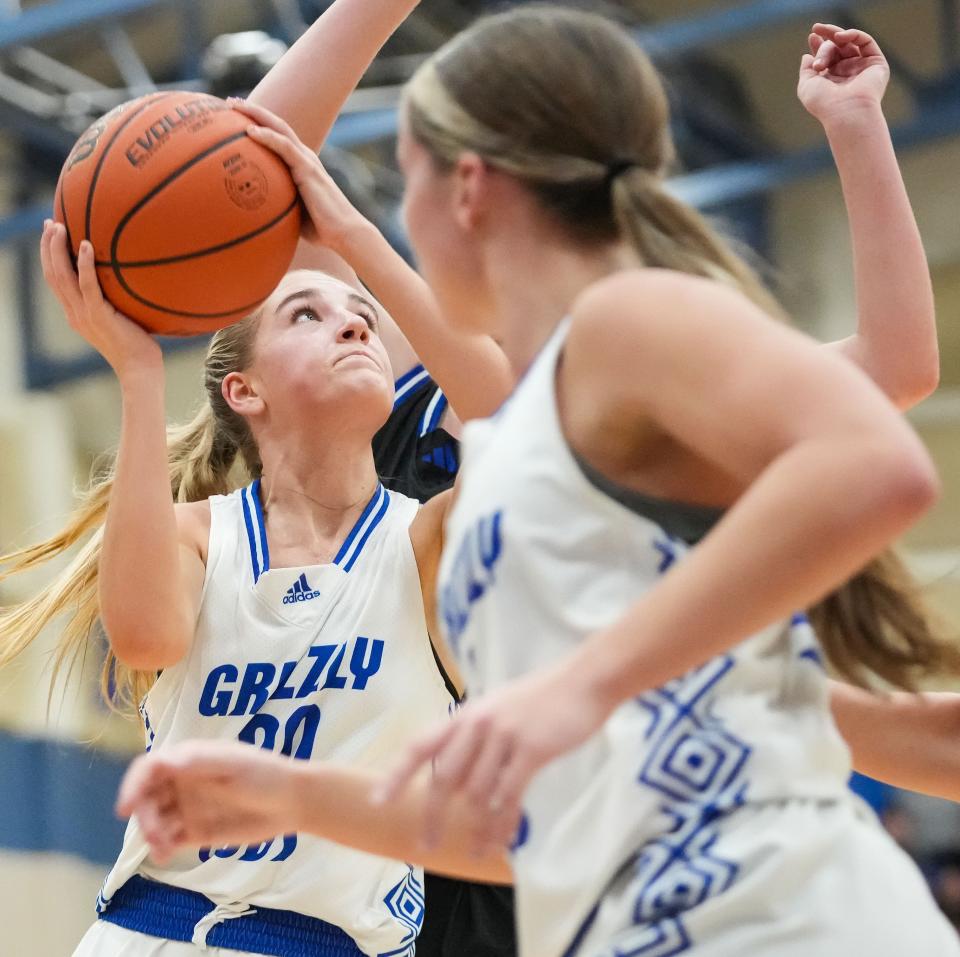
column 192, row 223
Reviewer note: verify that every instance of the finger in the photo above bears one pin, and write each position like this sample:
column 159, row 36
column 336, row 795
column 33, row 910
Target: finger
column 482, row 778
column 848, row 51
column 88, row 281
column 141, row 780
column 451, row 771
column 150, row 818
column 65, row 283
column 814, row 41
column 806, row 65
column 827, row 55
column 511, row 784
column 826, row 30
column 264, row 117
column 46, row 256
column 416, row 756
column 452, row 765
column 864, row 42
column 504, row 829
column 293, row 153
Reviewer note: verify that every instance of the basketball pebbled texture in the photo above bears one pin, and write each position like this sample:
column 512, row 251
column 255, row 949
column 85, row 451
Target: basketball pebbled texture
column 193, row 224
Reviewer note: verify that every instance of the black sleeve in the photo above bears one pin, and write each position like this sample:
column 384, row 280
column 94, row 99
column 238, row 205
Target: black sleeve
column 412, row 454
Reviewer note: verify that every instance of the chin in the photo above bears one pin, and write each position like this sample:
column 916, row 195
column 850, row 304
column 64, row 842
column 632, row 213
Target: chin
column 371, row 394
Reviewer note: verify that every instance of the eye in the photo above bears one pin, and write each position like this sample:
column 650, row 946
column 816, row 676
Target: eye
column 305, row 313
column 369, row 318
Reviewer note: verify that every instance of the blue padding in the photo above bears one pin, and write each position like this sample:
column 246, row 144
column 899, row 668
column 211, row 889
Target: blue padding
column 171, row 913
column 59, row 797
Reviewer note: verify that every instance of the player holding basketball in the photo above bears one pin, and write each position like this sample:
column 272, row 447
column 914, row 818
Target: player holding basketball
column 289, row 614
column 332, row 614
column 705, row 814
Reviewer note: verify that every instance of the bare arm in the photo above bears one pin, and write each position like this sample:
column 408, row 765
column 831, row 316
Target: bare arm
column 823, row 457
column 151, row 569
column 896, row 338
column 471, row 368
column 313, row 79
column 206, row 793
column 909, row 741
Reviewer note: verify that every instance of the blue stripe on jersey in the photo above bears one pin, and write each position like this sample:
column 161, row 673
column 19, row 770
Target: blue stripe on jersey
column 251, row 540
column 261, row 525
column 432, row 414
column 355, row 531
column 406, row 385
column 378, row 518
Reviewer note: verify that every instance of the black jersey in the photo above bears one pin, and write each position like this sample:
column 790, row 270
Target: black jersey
column 416, row 457
column 412, row 453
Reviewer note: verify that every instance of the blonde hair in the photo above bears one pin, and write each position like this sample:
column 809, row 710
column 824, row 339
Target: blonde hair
column 570, row 105
column 201, row 456
column 523, row 90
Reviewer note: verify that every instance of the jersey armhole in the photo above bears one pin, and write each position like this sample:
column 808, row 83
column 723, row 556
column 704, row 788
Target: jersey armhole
column 220, row 507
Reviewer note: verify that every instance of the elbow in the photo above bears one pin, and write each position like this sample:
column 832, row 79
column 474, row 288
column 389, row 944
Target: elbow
column 915, row 385
column 907, row 479
column 914, row 377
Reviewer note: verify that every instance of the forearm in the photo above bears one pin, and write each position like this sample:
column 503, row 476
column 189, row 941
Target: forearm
column 471, row 368
column 335, row 803
column 776, row 551
column 909, row 741
column 139, row 583
column 896, row 339
column 312, row 81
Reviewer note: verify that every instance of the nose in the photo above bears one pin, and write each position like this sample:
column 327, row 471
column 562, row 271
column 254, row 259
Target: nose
column 353, row 328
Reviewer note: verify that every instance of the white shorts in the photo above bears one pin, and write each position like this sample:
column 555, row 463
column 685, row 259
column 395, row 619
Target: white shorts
column 104, row 939
column 814, row 880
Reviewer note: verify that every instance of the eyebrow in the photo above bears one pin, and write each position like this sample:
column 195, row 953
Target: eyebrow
column 354, row 298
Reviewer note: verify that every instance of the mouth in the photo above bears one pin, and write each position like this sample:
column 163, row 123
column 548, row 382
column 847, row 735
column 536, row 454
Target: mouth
column 357, row 354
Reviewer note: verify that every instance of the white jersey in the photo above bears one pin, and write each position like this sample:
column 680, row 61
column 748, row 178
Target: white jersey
column 327, row 662
column 537, row 557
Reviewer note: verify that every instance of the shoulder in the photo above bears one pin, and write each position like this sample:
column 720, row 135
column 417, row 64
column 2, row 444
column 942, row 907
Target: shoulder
column 657, row 317
column 427, row 526
column 639, row 302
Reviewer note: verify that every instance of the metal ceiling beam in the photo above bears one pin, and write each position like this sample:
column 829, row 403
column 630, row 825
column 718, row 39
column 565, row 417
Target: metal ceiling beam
column 729, row 183
column 706, row 29
column 62, row 16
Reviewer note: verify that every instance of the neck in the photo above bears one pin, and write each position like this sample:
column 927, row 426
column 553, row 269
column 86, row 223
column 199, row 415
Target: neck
column 534, row 279
column 315, row 485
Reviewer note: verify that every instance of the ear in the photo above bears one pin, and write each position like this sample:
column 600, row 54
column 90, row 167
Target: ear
column 241, row 395
column 471, row 178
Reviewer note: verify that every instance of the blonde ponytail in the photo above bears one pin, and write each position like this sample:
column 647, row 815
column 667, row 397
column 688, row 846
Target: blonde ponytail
column 201, row 456
column 569, row 104
column 669, row 234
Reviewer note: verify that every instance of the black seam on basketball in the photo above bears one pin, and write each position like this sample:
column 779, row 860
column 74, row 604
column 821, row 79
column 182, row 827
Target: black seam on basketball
column 162, row 185
column 106, row 149
column 190, row 315
column 140, row 264
column 66, row 225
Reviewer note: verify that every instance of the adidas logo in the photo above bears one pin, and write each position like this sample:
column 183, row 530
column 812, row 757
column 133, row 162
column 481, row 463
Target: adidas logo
column 300, row 591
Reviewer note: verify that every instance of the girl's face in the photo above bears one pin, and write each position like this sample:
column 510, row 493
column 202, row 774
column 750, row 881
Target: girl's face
column 318, row 354
column 447, row 249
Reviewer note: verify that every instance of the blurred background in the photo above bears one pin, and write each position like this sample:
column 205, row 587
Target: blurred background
column 749, row 153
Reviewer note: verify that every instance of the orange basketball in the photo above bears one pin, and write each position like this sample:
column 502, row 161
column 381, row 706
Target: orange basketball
column 193, row 224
